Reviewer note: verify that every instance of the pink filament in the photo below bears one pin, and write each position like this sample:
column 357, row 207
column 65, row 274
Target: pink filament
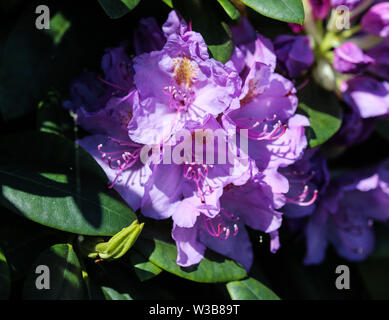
column 300, row 200
column 120, row 160
column 223, row 232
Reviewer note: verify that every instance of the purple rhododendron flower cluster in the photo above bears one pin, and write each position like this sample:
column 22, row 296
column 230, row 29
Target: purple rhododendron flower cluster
column 173, row 87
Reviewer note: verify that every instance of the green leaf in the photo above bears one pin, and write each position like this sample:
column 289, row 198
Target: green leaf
column 131, row 4
column 5, row 279
column 212, row 268
column 250, row 289
column 144, row 269
column 284, row 10
column 206, row 20
column 65, row 273
column 118, row 8
column 111, row 294
column 169, row 3
column 230, row 9
column 322, row 125
column 56, row 188
column 324, row 112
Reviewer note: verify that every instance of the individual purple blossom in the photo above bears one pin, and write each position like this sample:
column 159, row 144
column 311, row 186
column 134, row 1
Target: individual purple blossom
column 345, row 215
column 94, row 98
column 179, row 86
column 368, row 96
column 351, row 4
column 349, row 58
column 239, row 206
column 308, row 179
column 294, row 54
column 380, row 54
column 376, row 20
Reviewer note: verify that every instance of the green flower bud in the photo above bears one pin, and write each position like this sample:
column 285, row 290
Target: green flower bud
column 120, row 243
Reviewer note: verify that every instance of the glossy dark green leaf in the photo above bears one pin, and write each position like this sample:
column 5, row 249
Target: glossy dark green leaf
column 5, row 279
column 250, row 289
column 213, row 268
column 56, row 188
column 284, row 10
column 230, row 9
column 208, row 21
column 144, row 269
column 322, row 125
column 111, row 294
column 324, row 112
column 118, row 8
column 65, row 273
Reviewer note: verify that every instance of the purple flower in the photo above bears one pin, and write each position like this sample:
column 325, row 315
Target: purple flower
column 148, row 36
column 179, row 86
column 243, row 33
column 367, row 95
column 225, row 232
column 320, row 8
column 276, row 135
column 351, row 4
column 294, row 54
column 345, row 215
column 174, row 25
column 380, row 54
column 308, row 179
column 354, row 129
column 349, row 58
column 98, row 101
column 201, row 182
column 118, row 69
column 376, row 20
column 159, row 101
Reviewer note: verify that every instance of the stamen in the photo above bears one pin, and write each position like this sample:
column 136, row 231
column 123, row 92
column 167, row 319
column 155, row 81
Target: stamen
column 277, row 132
column 300, row 199
column 223, row 232
column 120, row 160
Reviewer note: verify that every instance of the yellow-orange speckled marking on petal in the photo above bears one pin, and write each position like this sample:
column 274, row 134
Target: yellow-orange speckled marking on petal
column 185, row 71
column 251, row 94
